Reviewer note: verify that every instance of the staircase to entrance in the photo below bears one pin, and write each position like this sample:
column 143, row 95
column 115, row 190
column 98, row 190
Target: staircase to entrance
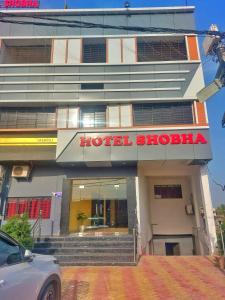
column 89, row 250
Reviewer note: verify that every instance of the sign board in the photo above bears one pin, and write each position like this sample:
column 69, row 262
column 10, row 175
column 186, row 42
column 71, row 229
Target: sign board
column 28, row 141
column 19, row 4
column 141, row 139
column 136, row 145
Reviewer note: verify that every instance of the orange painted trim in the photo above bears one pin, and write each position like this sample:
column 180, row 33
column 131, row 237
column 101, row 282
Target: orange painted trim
column 202, row 120
column 193, row 47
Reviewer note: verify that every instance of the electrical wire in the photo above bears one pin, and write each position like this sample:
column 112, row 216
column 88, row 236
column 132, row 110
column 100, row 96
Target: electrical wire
column 222, row 186
column 80, row 24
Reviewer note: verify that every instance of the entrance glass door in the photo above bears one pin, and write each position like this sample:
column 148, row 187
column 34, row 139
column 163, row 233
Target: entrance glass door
column 103, row 202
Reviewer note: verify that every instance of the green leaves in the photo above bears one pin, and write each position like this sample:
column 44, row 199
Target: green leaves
column 19, row 228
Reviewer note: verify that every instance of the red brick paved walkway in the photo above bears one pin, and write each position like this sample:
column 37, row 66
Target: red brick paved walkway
column 155, row 278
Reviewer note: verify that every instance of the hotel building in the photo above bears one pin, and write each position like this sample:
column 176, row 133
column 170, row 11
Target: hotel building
column 104, row 122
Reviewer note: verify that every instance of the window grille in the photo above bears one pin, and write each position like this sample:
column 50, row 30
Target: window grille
column 26, row 54
column 27, row 118
column 163, row 113
column 31, row 206
column 161, row 50
column 168, row 191
column 93, row 116
column 94, row 50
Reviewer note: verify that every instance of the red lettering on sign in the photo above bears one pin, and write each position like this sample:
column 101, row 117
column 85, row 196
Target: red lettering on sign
column 152, row 139
column 97, row 141
column 107, row 140
column 117, row 140
column 85, row 142
column 21, row 4
column 126, row 141
column 187, row 138
column 141, row 140
column 164, row 139
column 200, row 139
column 175, row 139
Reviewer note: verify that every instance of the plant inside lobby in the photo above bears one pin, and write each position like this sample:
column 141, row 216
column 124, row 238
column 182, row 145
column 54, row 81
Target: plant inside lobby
column 81, row 218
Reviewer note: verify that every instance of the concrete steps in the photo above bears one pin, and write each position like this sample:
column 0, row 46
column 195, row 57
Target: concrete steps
column 88, row 250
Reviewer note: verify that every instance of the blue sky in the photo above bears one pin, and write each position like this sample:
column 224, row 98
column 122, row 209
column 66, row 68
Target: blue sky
column 207, row 12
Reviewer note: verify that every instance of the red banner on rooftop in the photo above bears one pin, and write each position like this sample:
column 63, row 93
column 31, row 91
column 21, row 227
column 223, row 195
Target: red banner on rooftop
column 21, row 4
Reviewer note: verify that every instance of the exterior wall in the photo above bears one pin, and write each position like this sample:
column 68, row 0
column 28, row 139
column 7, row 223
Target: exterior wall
column 169, row 214
column 185, row 245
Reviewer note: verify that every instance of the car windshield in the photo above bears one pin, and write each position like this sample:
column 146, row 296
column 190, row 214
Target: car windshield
column 9, row 252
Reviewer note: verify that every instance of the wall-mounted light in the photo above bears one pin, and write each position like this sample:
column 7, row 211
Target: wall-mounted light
column 116, row 186
column 81, row 186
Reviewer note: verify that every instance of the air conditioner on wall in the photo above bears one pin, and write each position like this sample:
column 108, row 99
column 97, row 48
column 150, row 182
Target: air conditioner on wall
column 21, row 171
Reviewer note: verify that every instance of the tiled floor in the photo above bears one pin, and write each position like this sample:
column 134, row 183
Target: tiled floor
column 165, row 278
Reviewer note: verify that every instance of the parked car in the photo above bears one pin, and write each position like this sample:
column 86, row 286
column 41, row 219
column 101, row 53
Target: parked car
column 27, row 276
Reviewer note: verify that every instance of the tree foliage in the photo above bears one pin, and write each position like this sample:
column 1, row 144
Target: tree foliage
column 19, row 228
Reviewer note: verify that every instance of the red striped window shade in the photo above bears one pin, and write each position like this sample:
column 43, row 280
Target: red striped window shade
column 32, row 206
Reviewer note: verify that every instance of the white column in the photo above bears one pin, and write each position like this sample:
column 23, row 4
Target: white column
column 74, row 54
column 197, row 205
column 114, row 51
column 139, row 250
column 59, row 51
column 208, row 209
column 129, row 50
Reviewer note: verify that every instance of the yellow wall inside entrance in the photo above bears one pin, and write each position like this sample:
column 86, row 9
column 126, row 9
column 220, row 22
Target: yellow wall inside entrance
column 75, row 207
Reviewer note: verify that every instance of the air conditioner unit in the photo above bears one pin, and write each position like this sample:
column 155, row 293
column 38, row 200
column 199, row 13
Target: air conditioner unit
column 1, row 172
column 21, row 171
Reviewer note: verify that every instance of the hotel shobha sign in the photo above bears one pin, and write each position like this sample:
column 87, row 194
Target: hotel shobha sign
column 20, row 4
column 141, row 140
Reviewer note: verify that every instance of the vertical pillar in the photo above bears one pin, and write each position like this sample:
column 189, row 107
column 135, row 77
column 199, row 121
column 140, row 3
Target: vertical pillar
column 65, row 206
column 131, row 204
column 139, row 248
column 208, row 209
column 197, row 205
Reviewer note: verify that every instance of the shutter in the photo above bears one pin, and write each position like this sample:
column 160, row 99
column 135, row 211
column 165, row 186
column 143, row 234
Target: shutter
column 163, row 113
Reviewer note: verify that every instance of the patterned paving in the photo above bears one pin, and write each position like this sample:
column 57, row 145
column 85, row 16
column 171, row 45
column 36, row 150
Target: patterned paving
column 155, row 278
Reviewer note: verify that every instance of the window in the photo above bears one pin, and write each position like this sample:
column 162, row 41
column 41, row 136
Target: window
column 92, row 86
column 25, row 51
column 94, row 50
column 162, row 113
column 27, row 118
column 94, row 116
column 167, row 191
column 9, row 253
column 161, row 49
column 32, row 206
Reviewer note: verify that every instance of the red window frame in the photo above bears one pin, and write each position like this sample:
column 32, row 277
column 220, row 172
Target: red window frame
column 31, row 205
